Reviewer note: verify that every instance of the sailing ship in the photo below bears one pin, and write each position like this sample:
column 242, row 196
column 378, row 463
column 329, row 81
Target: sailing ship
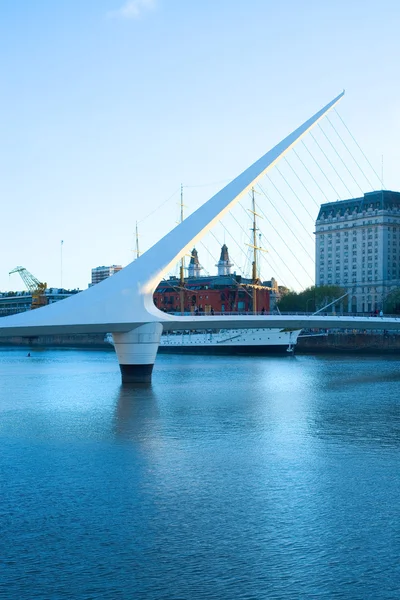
column 230, row 341
column 227, row 341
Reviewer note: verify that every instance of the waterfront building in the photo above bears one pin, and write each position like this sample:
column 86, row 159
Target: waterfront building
column 358, row 248
column 101, row 273
column 225, row 292
column 12, row 303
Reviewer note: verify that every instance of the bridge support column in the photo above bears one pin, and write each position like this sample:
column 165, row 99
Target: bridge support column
column 136, row 351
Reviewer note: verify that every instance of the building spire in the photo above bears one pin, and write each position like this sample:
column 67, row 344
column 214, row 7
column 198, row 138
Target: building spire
column 224, row 264
column 194, row 265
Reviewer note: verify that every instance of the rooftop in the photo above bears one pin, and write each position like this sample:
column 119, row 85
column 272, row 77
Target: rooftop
column 377, row 200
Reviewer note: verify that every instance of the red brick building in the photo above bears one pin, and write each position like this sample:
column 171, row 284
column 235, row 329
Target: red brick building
column 222, row 293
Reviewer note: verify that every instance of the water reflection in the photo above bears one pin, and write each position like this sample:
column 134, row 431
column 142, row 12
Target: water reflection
column 136, row 410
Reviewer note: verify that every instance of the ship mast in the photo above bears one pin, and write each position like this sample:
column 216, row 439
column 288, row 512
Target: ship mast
column 182, row 267
column 137, row 242
column 255, row 248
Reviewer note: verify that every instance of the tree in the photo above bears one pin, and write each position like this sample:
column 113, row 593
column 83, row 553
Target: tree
column 311, row 299
column 392, row 302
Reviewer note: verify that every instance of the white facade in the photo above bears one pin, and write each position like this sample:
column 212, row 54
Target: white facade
column 358, row 248
column 101, row 273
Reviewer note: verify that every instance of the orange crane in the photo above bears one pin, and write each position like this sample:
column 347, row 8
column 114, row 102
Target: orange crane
column 36, row 287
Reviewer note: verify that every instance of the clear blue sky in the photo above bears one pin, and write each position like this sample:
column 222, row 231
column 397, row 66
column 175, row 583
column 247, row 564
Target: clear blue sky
column 107, row 106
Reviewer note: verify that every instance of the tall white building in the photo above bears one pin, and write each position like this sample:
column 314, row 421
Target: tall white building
column 358, row 247
column 100, row 273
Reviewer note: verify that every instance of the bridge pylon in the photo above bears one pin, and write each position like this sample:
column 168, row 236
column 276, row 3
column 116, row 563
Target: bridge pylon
column 136, row 351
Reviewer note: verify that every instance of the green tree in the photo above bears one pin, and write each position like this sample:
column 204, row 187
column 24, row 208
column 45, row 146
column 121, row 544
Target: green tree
column 392, row 303
column 311, row 299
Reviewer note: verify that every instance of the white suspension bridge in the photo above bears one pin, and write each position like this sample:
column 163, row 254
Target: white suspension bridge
column 123, row 304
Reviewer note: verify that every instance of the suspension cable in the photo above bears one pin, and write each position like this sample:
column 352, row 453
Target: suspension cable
column 322, row 171
column 358, row 145
column 311, row 175
column 159, row 206
column 285, row 222
column 285, row 265
column 330, row 162
column 273, row 267
column 301, row 181
column 346, row 167
column 288, row 184
column 349, row 151
column 277, row 232
column 288, row 205
column 288, row 247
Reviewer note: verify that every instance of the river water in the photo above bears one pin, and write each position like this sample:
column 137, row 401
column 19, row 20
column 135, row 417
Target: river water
column 229, row 477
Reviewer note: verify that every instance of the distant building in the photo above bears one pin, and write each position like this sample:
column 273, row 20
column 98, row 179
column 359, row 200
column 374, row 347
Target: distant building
column 12, row 303
column 220, row 293
column 101, row 273
column 358, row 248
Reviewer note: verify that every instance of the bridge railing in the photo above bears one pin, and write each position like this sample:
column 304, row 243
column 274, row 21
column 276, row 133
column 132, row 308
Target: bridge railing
column 283, row 313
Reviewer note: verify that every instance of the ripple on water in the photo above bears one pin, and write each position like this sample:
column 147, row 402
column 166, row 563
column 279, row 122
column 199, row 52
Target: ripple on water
column 229, row 477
